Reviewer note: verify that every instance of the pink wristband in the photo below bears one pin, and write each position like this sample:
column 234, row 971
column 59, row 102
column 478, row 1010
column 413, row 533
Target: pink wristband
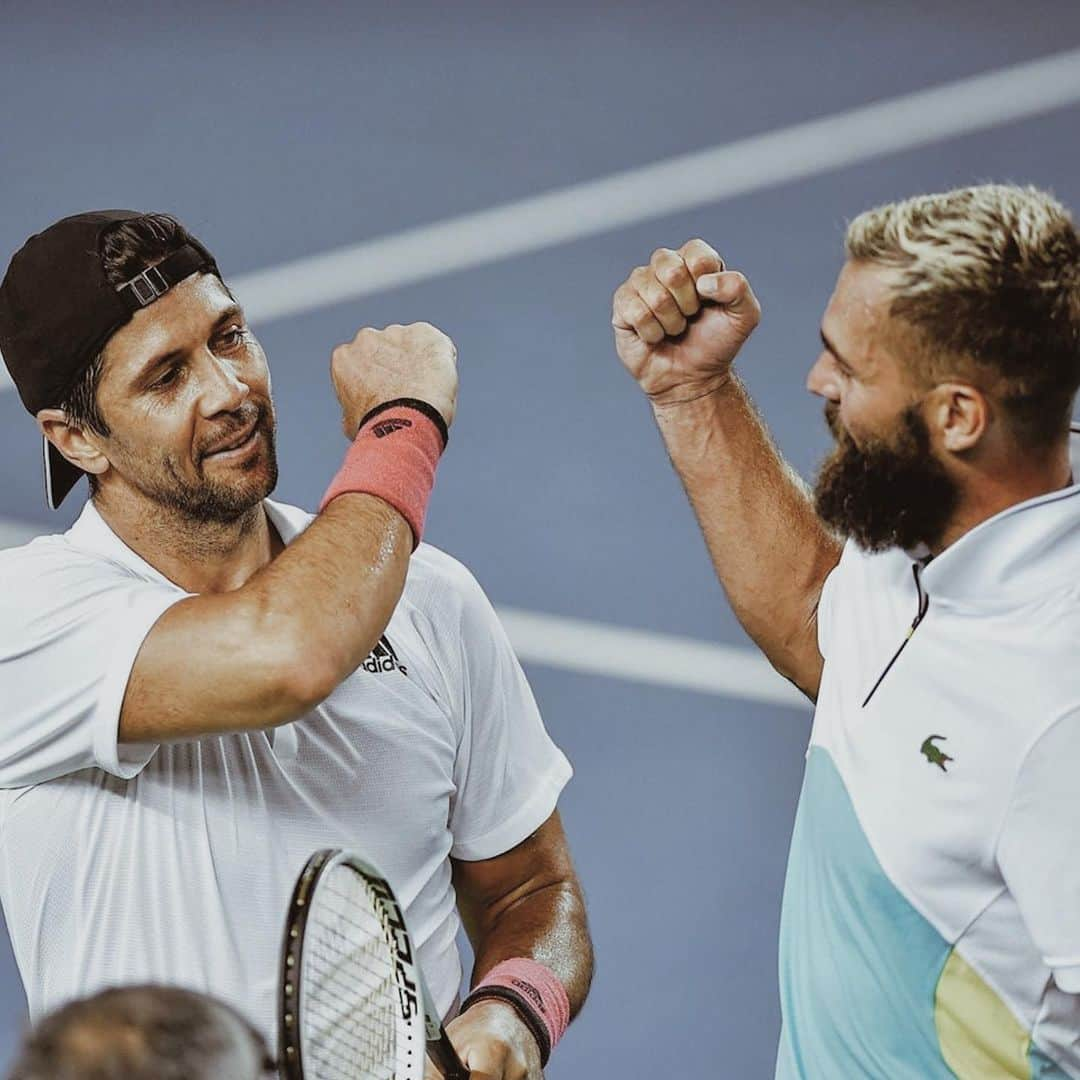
column 394, row 456
column 535, row 992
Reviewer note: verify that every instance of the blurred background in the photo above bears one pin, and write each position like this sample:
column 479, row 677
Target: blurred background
column 498, row 169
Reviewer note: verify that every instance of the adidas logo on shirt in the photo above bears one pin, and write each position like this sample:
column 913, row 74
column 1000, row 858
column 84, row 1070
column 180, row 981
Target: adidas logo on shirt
column 383, row 659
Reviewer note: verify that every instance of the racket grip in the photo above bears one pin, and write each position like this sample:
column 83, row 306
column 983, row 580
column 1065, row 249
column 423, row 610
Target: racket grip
column 442, row 1052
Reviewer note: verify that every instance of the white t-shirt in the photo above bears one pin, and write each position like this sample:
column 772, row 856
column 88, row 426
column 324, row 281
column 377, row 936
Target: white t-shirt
column 174, row 863
column 931, row 922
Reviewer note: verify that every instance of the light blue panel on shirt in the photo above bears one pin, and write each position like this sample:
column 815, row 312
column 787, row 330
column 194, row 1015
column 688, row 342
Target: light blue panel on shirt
column 1042, row 1068
column 858, row 964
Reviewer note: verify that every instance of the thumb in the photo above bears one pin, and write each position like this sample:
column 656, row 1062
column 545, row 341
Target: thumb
column 485, row 1074
column 484, row 1062
column 728, row 287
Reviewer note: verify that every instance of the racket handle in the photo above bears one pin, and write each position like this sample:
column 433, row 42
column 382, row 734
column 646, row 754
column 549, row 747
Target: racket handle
column 442, row 1052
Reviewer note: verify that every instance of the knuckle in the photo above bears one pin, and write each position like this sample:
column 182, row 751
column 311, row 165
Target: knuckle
column 661, row 301
column 674, row 275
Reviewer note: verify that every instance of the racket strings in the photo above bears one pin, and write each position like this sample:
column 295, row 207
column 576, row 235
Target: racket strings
column 350, row 1013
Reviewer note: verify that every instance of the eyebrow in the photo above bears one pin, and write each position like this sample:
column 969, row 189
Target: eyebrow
column 151, row 367
column 831, row 348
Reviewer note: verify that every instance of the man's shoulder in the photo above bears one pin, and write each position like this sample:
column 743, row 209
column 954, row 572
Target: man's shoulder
column 439, row 583
column 45, row 556
column 50, row 581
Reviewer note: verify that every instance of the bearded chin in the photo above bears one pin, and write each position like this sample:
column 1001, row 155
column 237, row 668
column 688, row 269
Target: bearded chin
column 884, row 495
column 208, row 502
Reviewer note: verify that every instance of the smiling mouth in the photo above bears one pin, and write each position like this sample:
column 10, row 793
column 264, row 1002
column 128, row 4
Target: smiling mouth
column 237, row 446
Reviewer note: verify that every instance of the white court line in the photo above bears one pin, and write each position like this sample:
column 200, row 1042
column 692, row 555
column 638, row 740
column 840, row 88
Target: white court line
column 679, row 183
column 597, row 649
column 643, row 656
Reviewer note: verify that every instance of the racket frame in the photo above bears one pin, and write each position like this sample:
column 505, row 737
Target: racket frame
column 412, row 990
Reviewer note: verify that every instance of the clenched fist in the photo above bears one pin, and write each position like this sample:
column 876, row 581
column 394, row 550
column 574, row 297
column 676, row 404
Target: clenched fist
column 680, row 321
column 415, row 361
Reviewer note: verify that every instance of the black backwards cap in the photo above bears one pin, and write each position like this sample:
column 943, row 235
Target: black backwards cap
column 57, row 311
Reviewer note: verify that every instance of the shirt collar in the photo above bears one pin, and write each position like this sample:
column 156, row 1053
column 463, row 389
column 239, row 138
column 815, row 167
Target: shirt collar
column 91, row 533
column 1022, row 553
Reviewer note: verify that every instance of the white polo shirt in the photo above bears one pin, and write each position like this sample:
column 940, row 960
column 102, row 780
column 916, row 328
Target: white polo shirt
column 931, row 920
column 174, row 863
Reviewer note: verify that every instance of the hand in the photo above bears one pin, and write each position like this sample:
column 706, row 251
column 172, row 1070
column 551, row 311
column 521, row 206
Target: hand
column 417, row 361
column 493, row 1044
column 680, row 321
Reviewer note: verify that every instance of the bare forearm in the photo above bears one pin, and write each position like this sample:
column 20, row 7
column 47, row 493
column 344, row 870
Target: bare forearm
column 548, row 925
column 337, row 585
column 770, row 550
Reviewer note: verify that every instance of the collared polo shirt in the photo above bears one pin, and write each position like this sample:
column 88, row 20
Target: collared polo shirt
column 174, row 863
column 931, row 918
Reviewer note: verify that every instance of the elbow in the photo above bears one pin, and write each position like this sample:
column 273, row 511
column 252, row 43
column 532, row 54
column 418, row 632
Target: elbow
column 304, row 658
column 302, row 679
column 298, row 670
column 300, row 688
column 307, row 668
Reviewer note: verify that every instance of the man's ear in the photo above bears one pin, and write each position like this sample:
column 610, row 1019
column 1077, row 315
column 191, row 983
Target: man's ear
column 75, row 443
column 959, row 414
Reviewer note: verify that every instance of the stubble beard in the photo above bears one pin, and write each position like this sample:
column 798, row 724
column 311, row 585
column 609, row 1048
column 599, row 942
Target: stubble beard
column 209, row 501
column 888, row 493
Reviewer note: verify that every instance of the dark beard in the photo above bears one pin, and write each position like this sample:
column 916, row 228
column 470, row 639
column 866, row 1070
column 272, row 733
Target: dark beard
column 213, row 503
column 888, row 493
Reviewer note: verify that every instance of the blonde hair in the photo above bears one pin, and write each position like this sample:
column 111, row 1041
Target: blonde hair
column 989, row 277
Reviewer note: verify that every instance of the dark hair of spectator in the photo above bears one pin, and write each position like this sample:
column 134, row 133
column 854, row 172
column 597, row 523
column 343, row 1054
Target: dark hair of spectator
column 144, row 1033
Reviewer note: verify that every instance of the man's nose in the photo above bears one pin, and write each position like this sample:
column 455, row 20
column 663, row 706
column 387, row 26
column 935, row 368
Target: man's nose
column 223, row 389
column 824, row 378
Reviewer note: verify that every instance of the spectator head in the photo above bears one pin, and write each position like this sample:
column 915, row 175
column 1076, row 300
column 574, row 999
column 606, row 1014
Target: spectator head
column 144, row 1033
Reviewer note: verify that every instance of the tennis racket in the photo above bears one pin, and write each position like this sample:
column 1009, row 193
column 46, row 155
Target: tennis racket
column 352, row 1002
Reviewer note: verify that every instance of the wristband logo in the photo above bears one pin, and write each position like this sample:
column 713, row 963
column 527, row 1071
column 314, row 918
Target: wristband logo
column 530, row 992
column 388, row 427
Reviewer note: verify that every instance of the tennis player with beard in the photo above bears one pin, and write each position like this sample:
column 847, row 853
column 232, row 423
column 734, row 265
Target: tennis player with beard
column 931, row 915
column 201, row 686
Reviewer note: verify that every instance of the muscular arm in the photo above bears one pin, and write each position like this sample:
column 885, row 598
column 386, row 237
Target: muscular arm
column 770, row 550
column 269, row 651
column 524, row 903
column 679, row 323
column 527, row 902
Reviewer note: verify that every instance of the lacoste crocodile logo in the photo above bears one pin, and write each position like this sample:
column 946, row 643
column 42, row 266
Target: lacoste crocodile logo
column 934, row 754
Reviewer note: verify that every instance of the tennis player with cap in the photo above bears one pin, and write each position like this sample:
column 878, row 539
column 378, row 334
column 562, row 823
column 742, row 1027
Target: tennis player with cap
column 931, row 915
column 201, row 686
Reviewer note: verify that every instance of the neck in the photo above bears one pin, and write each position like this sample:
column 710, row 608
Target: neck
column 199, row 556
column 990, row 491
